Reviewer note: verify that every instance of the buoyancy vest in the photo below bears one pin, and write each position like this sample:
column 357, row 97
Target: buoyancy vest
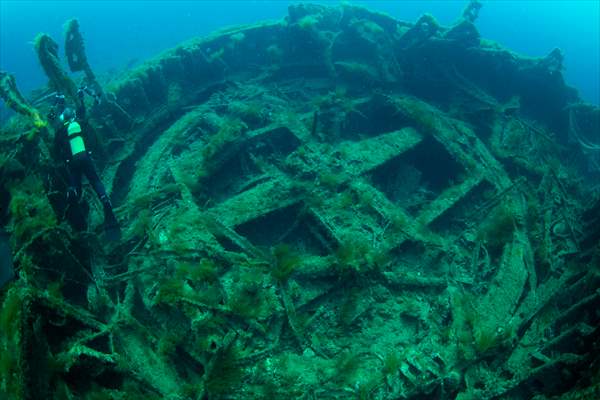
column 75, row 138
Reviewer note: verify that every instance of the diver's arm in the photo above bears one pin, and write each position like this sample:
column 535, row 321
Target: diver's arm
column 81, row 111
column 57, row 108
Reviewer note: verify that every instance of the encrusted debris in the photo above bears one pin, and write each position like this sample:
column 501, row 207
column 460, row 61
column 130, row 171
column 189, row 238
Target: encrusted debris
column 335, row 205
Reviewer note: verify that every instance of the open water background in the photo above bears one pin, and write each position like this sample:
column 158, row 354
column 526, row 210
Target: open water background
column 121, row 34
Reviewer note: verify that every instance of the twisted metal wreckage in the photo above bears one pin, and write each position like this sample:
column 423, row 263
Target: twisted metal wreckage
column 336, row 205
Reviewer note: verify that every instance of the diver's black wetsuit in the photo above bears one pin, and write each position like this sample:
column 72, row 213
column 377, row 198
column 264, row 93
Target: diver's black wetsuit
column 79, row 163
column 82, row 164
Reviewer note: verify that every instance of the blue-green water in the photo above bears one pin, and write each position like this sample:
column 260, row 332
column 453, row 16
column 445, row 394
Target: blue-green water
column 343, row 206
column 119, row 33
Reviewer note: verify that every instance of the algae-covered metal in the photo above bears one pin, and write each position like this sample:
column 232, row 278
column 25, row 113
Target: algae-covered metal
column 335, row 205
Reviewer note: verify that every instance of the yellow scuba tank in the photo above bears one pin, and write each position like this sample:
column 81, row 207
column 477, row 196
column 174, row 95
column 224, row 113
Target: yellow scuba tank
column 75, row 138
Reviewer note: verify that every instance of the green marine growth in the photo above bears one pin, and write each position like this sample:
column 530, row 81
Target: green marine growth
column 473, row 333
column 13, row 99
column 423, row 116
column 250, row 298
column 368, row 30
column 309, row 22
column 30, row 210
column 251, row 112
column 47, row 51
column 75, row 53
column 285, row 261
column 497, row 229
column 10, row 317
column 391, row 363
column 346, row 367
column 214, row 152
column 226, row 374
column 487, row 338
column 193, row 282
column 357, row 256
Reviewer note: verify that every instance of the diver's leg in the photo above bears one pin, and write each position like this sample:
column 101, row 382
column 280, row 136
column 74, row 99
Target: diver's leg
column 74, row 170
column 90, row 172
column 110, row 220
column 75, row 213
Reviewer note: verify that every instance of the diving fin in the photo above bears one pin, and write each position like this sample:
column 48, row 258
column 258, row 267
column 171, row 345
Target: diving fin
column 7, row 272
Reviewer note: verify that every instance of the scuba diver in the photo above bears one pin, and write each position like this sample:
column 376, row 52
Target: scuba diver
column 71, row 146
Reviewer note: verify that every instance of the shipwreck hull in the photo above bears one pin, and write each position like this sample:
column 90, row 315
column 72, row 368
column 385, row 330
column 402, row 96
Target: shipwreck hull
column 336, row 205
